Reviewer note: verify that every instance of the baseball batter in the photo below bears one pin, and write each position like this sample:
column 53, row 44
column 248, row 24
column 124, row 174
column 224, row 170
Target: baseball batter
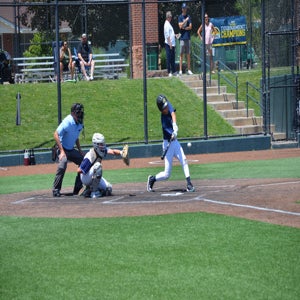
column 170, row 131
column 90, row 169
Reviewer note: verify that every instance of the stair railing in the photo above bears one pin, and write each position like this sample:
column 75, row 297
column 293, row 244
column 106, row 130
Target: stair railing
column 197, row 60
column 248, row 96
column 234, row 84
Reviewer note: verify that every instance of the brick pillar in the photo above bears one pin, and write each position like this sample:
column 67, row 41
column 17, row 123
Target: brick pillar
column 151, row 14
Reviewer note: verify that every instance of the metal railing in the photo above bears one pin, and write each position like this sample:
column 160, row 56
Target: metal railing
column 197, row 60
column 248, row 96
column 221, row 65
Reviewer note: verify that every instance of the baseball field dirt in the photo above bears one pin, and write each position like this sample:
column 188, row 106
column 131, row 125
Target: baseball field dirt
column 271, row 200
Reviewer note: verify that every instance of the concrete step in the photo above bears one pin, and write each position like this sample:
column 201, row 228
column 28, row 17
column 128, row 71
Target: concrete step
column 284, row 144
column 235, row 113
column 219, row 98
column 244, row 121
column 249, row 129
column 277, row 136
column 185, row 77
column 199, row 83
column 210, row 90
column 226, row 105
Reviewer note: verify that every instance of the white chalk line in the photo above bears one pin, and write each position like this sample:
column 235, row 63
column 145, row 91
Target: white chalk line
column 150, row 201
column 272, row 184
column 201, row 198
column 161, row 162
column 23, row 200
column 113, row 200
column 280, row 211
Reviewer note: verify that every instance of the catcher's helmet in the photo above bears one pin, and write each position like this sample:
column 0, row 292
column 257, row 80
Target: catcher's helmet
column 78, row 110
column 99, row 144
column 161, row 102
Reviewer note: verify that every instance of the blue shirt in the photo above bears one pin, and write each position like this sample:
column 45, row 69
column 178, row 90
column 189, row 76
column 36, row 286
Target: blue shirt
column 185, row 34
column 68, row 132
column 167, row 123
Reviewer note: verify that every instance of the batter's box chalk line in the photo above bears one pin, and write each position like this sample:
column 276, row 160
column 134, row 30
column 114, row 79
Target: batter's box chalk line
column 175, row 161
column 279, row 211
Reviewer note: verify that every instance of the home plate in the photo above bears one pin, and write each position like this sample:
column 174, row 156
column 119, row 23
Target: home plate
column 172, row 194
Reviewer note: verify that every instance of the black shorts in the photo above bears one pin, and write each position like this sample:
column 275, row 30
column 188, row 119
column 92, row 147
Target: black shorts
column 66, row 67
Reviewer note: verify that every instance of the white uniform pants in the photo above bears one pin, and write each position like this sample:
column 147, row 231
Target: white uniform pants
column 175, row 150
column 87, row 180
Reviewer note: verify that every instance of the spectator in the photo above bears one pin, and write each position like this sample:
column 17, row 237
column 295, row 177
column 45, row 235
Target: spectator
column 5, row 68
column 85, row 56
column 249, row 58
column 66, row 136
column 209, row 38
column 170, row 44
column 66, row 62
column 185, row 26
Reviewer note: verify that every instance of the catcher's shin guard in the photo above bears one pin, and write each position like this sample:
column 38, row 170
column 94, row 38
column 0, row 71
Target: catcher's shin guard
column 78, row 185
column 97, row 174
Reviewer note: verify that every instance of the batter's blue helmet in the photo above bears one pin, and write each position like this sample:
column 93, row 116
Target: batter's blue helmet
column 161, row 102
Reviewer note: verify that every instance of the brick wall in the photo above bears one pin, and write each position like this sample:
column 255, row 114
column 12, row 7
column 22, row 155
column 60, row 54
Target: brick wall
column 151, row 13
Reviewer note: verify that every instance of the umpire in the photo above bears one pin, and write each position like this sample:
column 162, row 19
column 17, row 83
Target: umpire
column 66, row 136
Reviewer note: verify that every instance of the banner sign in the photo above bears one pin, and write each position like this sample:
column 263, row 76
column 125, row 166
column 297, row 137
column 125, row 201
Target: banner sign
column 229, row 30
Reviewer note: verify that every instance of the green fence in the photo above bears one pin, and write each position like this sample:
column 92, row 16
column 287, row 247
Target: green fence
column 152, row 56
column 283, row 105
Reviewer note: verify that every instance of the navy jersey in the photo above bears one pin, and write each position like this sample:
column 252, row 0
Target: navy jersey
column 185, row 34
column 89, row 160
column 167, row 123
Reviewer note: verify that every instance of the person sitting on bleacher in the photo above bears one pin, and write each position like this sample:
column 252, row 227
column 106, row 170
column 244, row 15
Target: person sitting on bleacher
column 5, row 68
column 85, row 56
column 66, row 62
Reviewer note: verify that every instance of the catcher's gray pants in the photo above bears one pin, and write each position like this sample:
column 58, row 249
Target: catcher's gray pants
column 76, row 157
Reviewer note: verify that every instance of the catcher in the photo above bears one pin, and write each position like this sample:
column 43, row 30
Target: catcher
column 90, row 169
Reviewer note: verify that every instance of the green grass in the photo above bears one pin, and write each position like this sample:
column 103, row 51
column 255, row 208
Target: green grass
column 113, row 107
column 183, row 256
column 277, row 168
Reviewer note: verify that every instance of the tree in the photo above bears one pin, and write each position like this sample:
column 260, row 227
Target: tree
column 38, row 46
column 252, row 10
column 105, row 23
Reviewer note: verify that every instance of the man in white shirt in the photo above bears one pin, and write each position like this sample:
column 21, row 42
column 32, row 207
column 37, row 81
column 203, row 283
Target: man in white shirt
column 169, row 44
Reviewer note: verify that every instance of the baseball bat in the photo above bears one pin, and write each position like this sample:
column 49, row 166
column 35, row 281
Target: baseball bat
column 165, row 151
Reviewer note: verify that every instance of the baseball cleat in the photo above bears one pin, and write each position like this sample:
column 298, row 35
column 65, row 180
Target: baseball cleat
column 108, row 191
column 86, row 193
column 56, row 193
column 150, row 183
column 190, row 188
column 96, row 194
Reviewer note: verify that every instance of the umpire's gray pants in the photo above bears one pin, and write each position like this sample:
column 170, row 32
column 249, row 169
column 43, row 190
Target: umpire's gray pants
column 76, row 157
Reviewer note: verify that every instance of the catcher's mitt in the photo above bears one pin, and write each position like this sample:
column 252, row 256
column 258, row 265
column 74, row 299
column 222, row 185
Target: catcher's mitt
column 125, row 155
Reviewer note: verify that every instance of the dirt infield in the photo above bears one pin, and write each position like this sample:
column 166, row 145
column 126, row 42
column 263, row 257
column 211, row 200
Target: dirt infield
column 270, row 200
